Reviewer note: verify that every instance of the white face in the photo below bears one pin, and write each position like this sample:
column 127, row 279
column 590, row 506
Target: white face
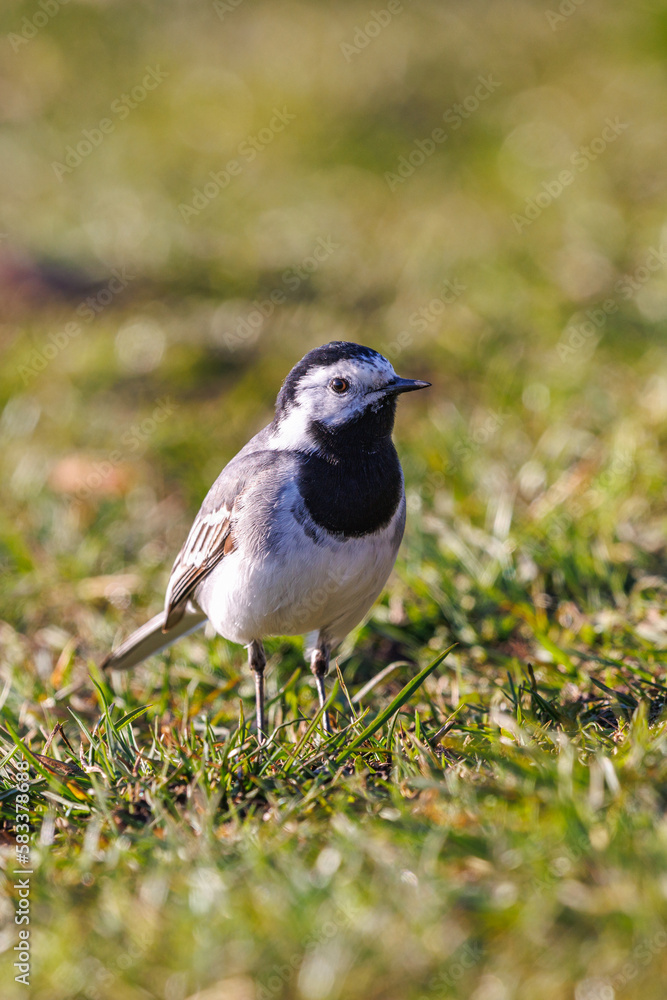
column 333, row 394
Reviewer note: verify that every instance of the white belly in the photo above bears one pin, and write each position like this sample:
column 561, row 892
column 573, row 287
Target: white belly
column 301, row 587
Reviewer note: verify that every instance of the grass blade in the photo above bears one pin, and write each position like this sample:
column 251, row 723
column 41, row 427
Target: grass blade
column 394, row 706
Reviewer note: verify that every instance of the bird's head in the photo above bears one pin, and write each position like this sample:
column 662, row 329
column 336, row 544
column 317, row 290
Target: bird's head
column 339, row 395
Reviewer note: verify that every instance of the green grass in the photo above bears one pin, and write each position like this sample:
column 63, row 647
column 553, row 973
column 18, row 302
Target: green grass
column 487, row 826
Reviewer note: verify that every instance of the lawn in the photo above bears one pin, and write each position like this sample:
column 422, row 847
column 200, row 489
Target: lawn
column 191, row 197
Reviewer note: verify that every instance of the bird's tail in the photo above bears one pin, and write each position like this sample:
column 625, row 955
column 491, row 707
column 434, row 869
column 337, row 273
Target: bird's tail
column 150, row 639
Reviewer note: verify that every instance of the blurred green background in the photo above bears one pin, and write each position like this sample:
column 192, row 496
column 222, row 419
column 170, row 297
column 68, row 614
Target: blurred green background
column 443, row 269
column 192, row 195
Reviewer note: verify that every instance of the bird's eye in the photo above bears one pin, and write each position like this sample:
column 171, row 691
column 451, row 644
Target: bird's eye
column 339, row 385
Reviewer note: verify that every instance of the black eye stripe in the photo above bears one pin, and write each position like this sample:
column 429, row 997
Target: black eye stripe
column 339, row 385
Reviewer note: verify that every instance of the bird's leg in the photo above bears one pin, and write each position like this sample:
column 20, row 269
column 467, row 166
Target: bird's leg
column 319, row 664
column 257, row 662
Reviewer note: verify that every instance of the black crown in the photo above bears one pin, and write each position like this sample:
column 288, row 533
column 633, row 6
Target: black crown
column 329, row 354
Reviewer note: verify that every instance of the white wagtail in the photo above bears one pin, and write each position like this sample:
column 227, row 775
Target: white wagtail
column 300, row 530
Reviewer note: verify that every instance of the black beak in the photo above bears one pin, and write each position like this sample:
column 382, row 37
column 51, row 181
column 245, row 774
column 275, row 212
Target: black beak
column 404, row 385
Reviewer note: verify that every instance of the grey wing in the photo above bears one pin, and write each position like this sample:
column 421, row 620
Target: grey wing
column 209, row 540
column 211, row 536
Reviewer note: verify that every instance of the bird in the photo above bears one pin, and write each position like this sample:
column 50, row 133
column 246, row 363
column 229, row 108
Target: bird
column 301, row 529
